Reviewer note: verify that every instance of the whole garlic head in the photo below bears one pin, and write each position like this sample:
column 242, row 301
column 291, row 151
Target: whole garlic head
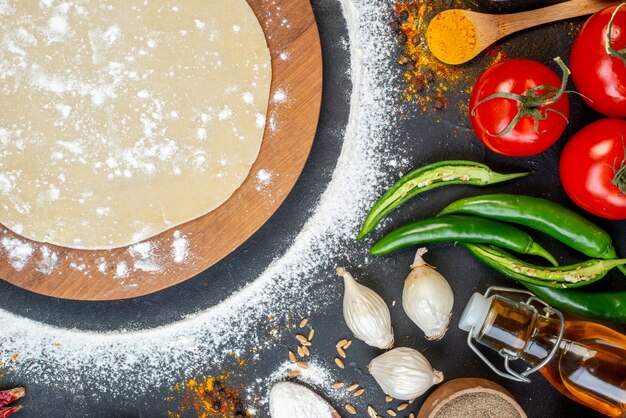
column 404, row 373
column 366, row 313
column 427, row 298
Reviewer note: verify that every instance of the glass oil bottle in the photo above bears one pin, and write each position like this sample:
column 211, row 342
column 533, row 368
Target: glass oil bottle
column 583, row 360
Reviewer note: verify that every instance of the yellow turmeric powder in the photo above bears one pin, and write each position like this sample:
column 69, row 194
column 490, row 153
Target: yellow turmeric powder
column 429, row 83
column 452, row 37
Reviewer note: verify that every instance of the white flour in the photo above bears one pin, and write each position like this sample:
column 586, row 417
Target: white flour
column 280, row 96
column 263, row 179
column 18, row 252
column 142, row 256
column 127, row 363
column 289, row 400
column 180, row 248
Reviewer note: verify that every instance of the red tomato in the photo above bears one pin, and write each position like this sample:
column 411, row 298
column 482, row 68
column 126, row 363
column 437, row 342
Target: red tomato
column 599, row 77
column 588, row 166
column 492, row 117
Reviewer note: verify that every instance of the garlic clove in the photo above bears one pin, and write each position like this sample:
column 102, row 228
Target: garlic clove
column 404, row 373
column 366, row 313
column 427, row 298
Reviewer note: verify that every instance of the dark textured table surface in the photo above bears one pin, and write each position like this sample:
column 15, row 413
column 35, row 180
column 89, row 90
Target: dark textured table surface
column 419, row 138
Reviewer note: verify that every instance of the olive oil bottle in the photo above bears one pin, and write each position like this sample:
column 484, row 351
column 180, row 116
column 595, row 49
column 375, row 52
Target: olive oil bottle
column 583, row 360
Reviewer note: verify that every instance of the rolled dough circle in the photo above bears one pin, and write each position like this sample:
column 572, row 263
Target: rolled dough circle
column 121, row 119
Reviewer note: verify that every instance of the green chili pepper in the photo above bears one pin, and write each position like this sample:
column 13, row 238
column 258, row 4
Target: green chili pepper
column 609, row 306
column 462, row 229
column 430, row 177
column 543, row 215
column 571, row 276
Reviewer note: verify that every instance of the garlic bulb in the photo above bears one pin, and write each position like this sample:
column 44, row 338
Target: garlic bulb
column 366, row 313
column 404, row 373
column 427, row 298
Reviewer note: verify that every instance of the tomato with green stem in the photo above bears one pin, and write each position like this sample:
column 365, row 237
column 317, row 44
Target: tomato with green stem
column 598, row 62
column 593, row 168
column 519, row 107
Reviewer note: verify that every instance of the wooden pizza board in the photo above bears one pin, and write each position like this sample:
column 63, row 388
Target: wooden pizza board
column 293, row 39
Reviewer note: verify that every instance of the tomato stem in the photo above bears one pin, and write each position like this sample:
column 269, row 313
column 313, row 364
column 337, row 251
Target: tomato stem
column 532, row 100
column 619, row 172
column 612, row 52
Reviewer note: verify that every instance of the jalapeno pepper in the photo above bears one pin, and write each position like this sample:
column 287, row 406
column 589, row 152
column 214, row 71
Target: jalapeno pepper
column 430, row 177
column 571, row 276
column 461, row 229
column 602, row 306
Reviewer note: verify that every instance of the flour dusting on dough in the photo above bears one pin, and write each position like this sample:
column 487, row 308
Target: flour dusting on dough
column 115, row 121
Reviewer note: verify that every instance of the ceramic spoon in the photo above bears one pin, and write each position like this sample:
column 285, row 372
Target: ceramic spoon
column 492, row 27
column 278, row 409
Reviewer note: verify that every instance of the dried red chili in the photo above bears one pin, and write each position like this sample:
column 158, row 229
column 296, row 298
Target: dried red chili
column 5, row 412
column 7, row 397
column 11, row 395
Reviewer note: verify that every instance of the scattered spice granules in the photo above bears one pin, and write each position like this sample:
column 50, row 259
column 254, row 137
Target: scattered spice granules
column 6, row 367
column 209, row 397
column 429, row 82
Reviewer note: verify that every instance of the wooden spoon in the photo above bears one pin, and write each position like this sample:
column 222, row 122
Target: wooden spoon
column 492, row 27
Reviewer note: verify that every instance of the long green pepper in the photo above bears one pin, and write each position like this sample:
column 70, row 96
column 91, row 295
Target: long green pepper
column 561, row 277
column 542, row 215
column 430, row 177
column 602, row 306
column 461, row 229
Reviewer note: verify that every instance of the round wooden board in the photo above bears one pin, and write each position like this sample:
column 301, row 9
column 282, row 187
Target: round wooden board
column 185, row 251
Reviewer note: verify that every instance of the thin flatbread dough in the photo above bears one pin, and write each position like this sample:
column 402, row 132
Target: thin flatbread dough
column 121, row 119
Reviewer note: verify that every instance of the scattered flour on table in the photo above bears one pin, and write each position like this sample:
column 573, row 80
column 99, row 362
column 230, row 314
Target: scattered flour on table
column 124, row 364
column 315, row 375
